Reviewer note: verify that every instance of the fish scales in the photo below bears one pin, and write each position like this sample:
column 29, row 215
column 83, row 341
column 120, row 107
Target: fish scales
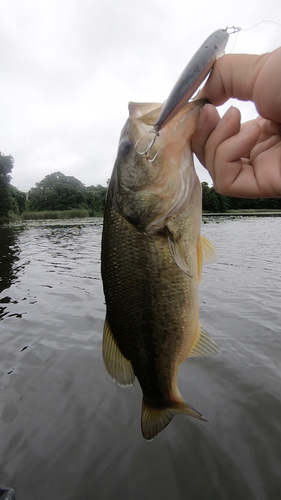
column 152, row 255
column 160, row 303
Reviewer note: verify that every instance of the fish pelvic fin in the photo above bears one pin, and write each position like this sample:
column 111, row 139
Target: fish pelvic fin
column 154, row 420
column 204, row 345
column 118, row 367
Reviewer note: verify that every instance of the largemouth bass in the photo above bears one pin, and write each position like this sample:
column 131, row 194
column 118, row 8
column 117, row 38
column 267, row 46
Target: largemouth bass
column 152, row 256
column 153, row 253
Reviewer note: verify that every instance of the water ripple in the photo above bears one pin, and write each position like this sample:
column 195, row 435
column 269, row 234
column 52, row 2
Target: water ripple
column 68, row 432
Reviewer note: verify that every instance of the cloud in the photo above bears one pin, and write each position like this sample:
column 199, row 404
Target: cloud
column 69, row 68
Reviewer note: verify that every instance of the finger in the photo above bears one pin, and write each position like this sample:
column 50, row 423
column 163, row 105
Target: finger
column 264, row 146
column 228, row 126
column 233, row 176
column 233, row 75
column 266, row 90
column 268, row 128
column 207, row 122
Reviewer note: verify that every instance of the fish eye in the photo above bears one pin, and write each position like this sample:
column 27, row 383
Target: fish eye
column 125, row 147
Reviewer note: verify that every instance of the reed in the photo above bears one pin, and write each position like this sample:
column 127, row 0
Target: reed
column 74, row 213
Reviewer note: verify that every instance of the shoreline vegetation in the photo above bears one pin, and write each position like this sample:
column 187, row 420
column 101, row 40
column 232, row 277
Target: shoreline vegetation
column 58, row 196
column 56, row 214
column 82, row 214
column 247, row 212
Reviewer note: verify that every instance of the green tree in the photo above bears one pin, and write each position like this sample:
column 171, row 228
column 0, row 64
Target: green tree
column 96, row 199
column 6, row 167
column 215, row 202
column 17, row 200
column 210, row 199
column 57, row 192
column 223, row 203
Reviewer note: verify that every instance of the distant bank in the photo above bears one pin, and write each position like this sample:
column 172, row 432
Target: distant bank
column 81, row 214
column 243, row 213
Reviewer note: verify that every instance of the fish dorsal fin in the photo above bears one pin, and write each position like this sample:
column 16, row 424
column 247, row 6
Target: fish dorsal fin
column 154, row 420
column 204, row 345
column 208, row 251
column 178, row 255
column 144, row 111
column 151, row 117
column 118, row 367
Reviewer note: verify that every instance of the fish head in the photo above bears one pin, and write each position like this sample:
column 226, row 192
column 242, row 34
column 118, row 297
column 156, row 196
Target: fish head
column 154, row 176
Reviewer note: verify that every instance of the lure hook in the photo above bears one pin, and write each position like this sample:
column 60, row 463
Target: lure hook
column 154, row 157
column 151, row 144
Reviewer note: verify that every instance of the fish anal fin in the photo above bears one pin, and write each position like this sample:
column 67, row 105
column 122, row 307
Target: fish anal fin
column 178, row 255
column 118, row 367
column 209, row 252
column 204, row 346
column 154, row 420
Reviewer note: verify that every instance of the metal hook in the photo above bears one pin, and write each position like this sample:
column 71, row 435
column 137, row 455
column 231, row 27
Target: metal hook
column 151, row 144
column 154, row 157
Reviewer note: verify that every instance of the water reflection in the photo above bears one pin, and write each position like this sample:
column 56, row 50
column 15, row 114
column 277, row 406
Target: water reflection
column 9, row 256
column 9, row 264
column 68, row 432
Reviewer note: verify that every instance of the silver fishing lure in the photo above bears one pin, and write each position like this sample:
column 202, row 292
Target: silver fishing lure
column 190, row 80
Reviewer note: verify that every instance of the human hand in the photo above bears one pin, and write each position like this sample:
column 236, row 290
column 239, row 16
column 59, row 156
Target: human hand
column 243, row 160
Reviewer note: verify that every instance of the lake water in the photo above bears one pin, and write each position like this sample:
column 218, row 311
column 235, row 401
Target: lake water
column 68, row 432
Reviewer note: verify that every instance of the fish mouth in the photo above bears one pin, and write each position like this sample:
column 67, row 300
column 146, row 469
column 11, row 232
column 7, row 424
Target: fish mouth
column 178, row 128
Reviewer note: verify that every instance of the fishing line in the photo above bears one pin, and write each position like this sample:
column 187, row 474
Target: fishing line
column 237, row 30
column 247, row 29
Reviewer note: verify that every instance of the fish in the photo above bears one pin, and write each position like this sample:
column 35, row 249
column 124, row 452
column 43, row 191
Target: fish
column 151, row 263
column 152, row 254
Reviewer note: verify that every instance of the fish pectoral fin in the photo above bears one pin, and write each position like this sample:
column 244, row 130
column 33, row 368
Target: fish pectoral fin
column 208, row 250
column 204, row 346
column 178, row 255
column 118, row 367
column 206, row 254
column 154, row 420
column 199, row 260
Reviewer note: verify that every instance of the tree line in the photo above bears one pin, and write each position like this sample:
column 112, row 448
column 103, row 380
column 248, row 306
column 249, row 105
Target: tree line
column 55, row 193
column 215, row 202
column 59, row 193
column 63, row 192
column 12, row 201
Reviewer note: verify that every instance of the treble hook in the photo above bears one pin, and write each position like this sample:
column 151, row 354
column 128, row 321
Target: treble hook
column 154, row 157
column 151, row 144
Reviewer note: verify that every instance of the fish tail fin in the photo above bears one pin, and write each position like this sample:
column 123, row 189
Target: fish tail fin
column 154, row 420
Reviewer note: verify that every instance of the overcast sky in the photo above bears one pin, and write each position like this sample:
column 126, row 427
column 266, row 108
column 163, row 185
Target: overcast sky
column 70, row 67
